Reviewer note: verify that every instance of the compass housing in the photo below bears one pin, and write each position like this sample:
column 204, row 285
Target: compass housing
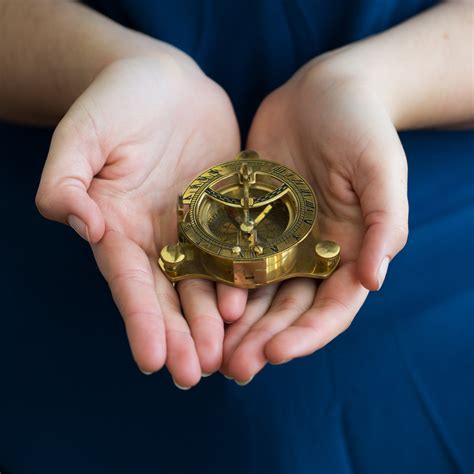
column 247, row 222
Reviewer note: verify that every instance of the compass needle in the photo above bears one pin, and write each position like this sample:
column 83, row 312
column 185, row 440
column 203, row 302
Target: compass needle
column 262, row 215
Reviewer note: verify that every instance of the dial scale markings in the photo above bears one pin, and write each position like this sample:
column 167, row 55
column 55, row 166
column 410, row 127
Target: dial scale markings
column 305, row 212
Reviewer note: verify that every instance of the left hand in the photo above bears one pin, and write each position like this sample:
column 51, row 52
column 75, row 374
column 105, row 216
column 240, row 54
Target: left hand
column 332, row 128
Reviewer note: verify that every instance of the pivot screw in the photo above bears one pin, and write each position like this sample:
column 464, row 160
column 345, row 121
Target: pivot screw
column 236, row 250
column 258, row 249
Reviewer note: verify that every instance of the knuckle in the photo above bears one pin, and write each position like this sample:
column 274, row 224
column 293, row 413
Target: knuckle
column 169, row 299
column 178, row 336
column 197, row 286
column 396, row 222
column 42, row 203
column 51, row 198
column 335, row 306
column 242, row 325
column 327, row 303
column 290, row 303
column 262, row 294
column 45, row 203
column 139, row 314
column 345, row 324
column 401, row 232
column 262, row 330
column 135, row 275
column 207, row 320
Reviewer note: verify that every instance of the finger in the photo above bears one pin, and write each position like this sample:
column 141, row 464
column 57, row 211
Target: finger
column 74, row 158
column 259, row 301
column 337, row 301
column 231, row 301
column 199, row 302
column 128, row 272
column 382, row 187
column 293, row 298
column 182, row 358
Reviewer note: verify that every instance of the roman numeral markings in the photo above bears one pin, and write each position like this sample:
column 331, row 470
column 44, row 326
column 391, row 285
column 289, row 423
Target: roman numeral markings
column 280, row 170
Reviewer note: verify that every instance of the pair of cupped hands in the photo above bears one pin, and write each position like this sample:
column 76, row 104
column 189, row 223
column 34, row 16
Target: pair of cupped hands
column 145, row 127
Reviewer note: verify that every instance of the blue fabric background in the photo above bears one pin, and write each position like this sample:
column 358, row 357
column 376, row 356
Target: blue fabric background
column 393, row 394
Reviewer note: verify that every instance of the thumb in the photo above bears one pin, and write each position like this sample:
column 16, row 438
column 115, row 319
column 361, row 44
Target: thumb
column 381, row 185
column 74, row 158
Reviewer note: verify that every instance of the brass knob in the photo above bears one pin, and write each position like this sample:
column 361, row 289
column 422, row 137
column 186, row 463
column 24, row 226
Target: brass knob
column 171, row 256
column 327, row 253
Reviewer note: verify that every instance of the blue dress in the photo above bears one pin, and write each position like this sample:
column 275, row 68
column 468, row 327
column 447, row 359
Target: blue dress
column 392, row 395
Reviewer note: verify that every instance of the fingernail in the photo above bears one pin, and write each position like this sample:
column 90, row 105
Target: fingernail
column 243, row 383
column 79, row 227
column 180, row 386
column 383, row 271
column 143, row 372
column 204, row 374
column 227, row 377
column 279, row 363
column 228, row 322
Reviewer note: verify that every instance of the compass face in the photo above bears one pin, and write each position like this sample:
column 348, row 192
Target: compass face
column 224, row 224
column 248, row 209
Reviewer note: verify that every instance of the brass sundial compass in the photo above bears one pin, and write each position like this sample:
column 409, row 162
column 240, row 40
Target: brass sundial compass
column 248, row 222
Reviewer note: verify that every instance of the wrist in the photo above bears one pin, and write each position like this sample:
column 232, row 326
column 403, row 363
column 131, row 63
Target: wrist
column 350, row 65
column 88, row 43
column 420, row 69
column 124, row 44
column 133, row 44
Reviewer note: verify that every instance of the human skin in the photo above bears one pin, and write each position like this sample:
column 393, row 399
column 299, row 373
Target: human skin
column 137, row 121
column 335, row 122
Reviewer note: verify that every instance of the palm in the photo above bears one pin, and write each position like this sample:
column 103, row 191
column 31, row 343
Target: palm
column 328, row 134
column 326, row 143
column 339, row 213
column 151, row 140
column 138, row 191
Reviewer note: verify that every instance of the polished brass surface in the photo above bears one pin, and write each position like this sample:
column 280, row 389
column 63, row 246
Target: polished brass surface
column 248, row 222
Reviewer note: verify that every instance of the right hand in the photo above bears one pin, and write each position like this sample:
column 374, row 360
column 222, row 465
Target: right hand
column 118, row 160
